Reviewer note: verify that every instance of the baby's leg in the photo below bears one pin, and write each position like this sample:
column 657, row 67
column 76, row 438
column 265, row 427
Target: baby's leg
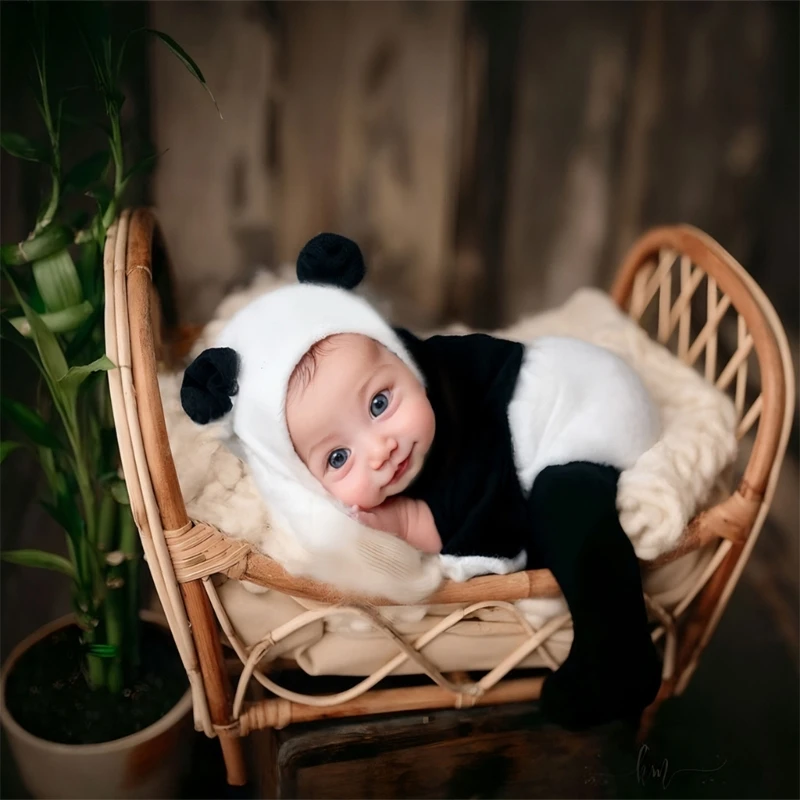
column 613, row 670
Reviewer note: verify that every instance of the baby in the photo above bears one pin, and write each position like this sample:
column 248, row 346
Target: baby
column 343, row 386
column 496, row 454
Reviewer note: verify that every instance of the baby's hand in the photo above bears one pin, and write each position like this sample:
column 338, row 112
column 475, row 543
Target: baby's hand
column 390, row 516
column 407, row 519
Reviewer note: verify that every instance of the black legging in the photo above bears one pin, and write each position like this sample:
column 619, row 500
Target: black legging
column 612, row 670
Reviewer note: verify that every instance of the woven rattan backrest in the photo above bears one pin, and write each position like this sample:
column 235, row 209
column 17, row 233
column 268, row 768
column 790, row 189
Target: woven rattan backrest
column 694, row 298
column 697, row 300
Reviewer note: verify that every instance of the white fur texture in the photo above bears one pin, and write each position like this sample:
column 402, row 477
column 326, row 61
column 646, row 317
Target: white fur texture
column 462, row 568
column 575, row 401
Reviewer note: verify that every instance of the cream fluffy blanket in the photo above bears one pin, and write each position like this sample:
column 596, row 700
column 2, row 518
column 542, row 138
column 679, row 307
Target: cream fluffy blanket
column 656, row 498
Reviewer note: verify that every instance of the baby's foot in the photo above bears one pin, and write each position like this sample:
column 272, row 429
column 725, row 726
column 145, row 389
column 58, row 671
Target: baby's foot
column 584, row 692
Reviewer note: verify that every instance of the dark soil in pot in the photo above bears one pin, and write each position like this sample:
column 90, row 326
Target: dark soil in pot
column 47, row 694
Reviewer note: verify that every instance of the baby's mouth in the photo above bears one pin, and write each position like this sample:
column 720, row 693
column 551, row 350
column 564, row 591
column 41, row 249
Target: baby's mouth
column 401, row 468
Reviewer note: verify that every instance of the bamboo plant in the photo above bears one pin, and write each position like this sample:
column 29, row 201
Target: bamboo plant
column 53, row 311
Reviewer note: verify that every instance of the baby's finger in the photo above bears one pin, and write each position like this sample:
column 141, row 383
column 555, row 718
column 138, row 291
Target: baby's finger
column 364, row 517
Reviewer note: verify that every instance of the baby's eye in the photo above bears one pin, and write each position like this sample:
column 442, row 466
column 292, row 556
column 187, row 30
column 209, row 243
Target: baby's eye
column 379, row 403
column 338, row 458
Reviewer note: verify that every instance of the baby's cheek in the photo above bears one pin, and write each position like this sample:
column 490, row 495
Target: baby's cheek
column 354, row 490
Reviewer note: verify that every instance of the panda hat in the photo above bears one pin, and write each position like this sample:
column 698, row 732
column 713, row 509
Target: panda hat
column 243, row 380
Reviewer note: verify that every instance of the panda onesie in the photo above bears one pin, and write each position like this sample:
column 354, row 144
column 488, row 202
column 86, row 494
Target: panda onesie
column 522, row 473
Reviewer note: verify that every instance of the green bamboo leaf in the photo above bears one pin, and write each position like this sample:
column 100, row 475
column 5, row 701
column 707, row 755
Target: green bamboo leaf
column 184, row 57
column 83, row 335
column 65, row 512
column 102, row 195
column 19, row 146
column 53, row 361
column 109, row 454
column 55, row 479
column 144, row 165
column 119, row 492
column 77, row 375
column 13, row 336
column 59, row 117
column 6, row 448
column 29, row 422
column 57, row 280
column 64, row 321
column 89, row 265
column 41, row 559
column 87, row 172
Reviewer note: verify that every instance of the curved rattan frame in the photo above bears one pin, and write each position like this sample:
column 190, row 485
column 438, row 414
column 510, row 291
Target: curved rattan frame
column 184, row 554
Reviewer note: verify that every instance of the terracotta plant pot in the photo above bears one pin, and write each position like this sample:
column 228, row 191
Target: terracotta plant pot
column 146, row 764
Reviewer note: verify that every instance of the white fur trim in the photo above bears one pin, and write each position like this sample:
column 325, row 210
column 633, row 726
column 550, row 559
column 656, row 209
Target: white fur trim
column 462, row 568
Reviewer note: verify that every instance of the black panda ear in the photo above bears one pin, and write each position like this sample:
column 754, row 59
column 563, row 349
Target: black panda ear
column 333, row 260
column 209, row 383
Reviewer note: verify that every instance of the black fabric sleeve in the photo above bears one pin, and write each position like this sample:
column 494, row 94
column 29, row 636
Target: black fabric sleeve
column 476, row 525
column 469, row 481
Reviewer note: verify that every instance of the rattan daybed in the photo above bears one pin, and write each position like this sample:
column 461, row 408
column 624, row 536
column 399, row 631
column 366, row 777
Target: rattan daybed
column 657, row 283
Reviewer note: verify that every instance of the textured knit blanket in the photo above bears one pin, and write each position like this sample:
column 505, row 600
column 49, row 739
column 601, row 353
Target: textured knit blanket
column 656, row 497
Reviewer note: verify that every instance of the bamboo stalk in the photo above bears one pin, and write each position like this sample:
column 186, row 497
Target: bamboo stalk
column 129, row 545
column 106, row 523
column 115, row 605
column 115, row 629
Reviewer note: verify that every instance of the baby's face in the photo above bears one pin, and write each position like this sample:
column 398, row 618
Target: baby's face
column 362, row 424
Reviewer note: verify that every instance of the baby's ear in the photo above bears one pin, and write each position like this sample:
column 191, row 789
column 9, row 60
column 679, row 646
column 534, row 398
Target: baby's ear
column 209, row 383
column 331, row 260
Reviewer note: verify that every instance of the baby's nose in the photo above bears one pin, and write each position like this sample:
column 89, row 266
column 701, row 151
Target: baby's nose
column 382, row 450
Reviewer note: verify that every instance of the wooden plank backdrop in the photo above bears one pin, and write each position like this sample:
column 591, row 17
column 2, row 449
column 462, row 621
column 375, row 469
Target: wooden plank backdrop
column 490, row 158
column 337, row 116
column 367, row 133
